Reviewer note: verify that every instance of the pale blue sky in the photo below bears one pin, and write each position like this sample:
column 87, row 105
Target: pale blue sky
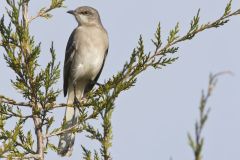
column 151, row 120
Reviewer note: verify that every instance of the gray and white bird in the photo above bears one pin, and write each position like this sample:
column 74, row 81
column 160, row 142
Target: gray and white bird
column 85, row 55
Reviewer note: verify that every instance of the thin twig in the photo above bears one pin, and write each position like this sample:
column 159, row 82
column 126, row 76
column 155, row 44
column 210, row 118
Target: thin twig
column 36, row 117
column 202, row 28
column 27, row 157
column 10, row 101
column 45, row 12
column 41, row 13
column 161, row 51
column 197, row 142
column 64, row 131
column 13, row 114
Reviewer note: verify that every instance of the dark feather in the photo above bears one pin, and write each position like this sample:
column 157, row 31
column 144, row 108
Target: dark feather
column 69, row 54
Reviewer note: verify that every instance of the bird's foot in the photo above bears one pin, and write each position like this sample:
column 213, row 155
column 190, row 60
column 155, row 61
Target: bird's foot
column 76, row 102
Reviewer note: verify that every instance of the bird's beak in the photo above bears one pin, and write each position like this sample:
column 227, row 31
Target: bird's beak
column 71, row 12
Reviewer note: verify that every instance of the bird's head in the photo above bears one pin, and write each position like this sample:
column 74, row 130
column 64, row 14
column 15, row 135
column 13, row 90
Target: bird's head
column 86, row 15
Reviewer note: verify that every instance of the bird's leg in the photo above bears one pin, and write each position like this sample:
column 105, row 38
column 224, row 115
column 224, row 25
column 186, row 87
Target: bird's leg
column 76, row 101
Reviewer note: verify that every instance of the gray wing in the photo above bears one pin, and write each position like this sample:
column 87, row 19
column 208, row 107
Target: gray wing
column 69, row 54
column 90, row 85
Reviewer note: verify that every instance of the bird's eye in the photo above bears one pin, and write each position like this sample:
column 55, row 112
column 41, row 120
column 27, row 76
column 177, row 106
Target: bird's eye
column 85, row 13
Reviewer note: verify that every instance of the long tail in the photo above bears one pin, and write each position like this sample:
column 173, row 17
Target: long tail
column 67, row 139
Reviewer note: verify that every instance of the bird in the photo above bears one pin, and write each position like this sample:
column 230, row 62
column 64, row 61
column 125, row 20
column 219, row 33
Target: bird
column 85, row 56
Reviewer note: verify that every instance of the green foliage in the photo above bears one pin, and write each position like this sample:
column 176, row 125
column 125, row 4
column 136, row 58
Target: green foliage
column 37, row 85
column 173, row 34
column 193, row 26
column 228, row 9
column 45, row 11
column 196, row 143
column 21, row 55
column 14, row 138
column 157, row 41
column 87, row 155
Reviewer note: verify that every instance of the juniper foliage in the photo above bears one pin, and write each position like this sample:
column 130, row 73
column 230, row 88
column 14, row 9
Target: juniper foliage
column 196, row 142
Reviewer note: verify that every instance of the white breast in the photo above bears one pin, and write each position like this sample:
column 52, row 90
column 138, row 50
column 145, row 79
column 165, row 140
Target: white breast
column 90, row 52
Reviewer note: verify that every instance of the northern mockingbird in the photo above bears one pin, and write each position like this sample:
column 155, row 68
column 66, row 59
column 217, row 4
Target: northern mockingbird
column 85, row 55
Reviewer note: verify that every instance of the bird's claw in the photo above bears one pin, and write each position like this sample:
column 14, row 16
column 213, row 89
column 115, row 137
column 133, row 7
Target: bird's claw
column 76, row 101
